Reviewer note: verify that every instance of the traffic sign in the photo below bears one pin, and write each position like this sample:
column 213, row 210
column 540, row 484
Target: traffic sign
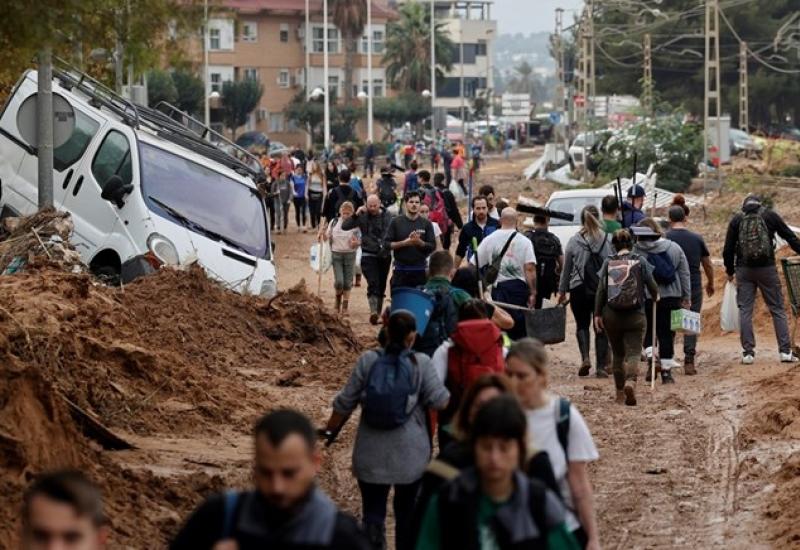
column 63, row 120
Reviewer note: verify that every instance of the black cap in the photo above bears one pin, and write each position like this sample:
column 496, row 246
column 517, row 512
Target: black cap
column 635, row 191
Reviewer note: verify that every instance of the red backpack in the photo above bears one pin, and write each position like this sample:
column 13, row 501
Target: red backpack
column 438, row 213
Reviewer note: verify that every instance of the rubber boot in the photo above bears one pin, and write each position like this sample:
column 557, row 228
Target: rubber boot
column 358, row 279
column 688, row 366
column 345, row 302
column 338, row 303
column 620, row 397
column 376, row 534
column 583, row 345
column 601, row 354
column 630, row 393
column 374, row 310
column 619, row 380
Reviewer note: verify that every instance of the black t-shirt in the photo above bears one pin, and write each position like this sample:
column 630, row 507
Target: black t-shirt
column 695, row 249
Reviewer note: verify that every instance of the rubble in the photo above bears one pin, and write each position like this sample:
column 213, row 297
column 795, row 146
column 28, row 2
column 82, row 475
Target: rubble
column 45, row 235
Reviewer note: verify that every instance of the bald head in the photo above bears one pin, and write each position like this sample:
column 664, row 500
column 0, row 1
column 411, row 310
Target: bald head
column 373, row 205
column 508, row 218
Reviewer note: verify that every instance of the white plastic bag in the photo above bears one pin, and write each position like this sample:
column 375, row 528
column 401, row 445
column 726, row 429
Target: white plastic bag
column 321, row 258
column 456, row 190
column 729, row 314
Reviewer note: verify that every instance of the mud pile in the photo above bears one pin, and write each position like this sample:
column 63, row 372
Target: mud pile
column 43, row 237
column 166, row 354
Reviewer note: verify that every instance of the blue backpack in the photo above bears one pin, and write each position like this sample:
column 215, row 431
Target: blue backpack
column 663, row 271
column 412, row 181
column 390, row 384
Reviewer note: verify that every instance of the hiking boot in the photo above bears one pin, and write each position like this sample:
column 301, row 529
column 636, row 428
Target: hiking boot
column 586, row 366
column 376, row 535
column 630, row 393
column 620, row 399
column 374, row 318
column 688, row 366
column 748, row 358
column 789, row 358
column 666, row 377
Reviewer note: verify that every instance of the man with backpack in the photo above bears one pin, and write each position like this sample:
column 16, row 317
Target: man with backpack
column 411, row 239
column 434, row 199
column 507, row 262
column 749, row 256
column 285, row 509
column 394, row 387
column 339, row 194
column 411, row 182
column 549, row 258
column 387, row 189
column 451, row 208
column 477, row 229
column 446, row 301
column 671, row 273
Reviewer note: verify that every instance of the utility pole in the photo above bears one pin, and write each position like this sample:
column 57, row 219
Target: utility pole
column 433, row 73
column 744, row 119
column 461, row 111
column 44, row 128
column 712, row 99
column 580, row 76
column 587, row 77
column 326, row 125
column 559, row 101
column 647, row 95
column 370, row 85
column 206, row 79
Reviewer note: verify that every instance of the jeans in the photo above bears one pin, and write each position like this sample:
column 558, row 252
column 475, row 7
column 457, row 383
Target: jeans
column 411, row 279
column 376, row 271
column 344, row 264
column 624, row 330
column 315, row 207
column 516, row 293
column 299, row 211
column 373, row 502
column 690, row 340
column 282, row 213
column 664, row 334
column 766, row 279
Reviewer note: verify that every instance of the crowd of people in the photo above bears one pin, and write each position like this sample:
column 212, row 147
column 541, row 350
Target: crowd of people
column 467, row 383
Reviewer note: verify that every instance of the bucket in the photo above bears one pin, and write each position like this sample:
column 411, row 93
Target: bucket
column 548, row 325
column 419, row 303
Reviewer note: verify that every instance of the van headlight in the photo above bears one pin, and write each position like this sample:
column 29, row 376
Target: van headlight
column 268, row 289
column 163, row 249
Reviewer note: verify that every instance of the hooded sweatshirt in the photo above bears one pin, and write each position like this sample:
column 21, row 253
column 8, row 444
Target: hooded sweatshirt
column 679, row 288
column 577, row 254
column 775, row 225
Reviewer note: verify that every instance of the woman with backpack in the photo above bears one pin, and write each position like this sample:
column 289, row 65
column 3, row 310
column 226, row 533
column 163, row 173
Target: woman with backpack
column 344, row 243
column 583, row 258
column 494, row 505
column 556, row 426
column 394, row 386
column 619, row 311
column 671, row 273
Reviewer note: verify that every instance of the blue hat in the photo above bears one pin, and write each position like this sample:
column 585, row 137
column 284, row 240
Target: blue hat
column 636, row 191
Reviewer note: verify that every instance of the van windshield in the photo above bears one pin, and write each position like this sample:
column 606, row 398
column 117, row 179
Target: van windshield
column 214, row 203
column 572, row 205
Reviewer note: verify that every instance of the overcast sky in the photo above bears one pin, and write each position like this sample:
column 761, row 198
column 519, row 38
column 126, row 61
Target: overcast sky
column 528, row 16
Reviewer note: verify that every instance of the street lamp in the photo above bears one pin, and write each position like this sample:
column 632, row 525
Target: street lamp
column 213, row 95
column 426, row 93
column 317, row 93
column 362, row 95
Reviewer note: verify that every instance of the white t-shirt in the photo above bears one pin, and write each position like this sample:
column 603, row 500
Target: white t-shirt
column 440, row 359
column 542, row 436
column 493, row 213
column 519, row 253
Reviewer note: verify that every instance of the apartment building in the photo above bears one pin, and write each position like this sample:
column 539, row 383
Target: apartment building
column 266, row 40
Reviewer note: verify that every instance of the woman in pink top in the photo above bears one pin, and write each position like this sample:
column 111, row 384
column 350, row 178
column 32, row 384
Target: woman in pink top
column 343, row 248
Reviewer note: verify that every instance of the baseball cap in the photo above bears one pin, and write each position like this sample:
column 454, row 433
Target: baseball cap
column 636, row 191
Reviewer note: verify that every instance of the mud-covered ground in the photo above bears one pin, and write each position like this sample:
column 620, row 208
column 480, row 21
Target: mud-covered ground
column 181, row 368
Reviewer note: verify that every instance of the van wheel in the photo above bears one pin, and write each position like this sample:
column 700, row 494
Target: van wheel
column 107, row 274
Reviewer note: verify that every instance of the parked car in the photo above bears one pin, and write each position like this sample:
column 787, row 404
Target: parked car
column 572, row 202
column 254, row 142
column 143, row 191
column 742, row 142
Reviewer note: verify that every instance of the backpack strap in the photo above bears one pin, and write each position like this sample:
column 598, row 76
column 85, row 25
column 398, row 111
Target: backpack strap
column 229, row 514
column 537, row 502
column 562, row 425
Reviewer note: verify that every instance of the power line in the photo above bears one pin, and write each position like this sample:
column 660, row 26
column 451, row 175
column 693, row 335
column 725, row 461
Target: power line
column 752, row 53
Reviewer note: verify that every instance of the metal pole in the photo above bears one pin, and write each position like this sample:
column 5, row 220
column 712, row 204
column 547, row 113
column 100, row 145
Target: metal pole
column 44, row 128
column 327, row 99
column 461, row 82
column 744, row 117
column 206, row 80
column 307, row 36
column 370, row 84
column 433, row 75
column 559, row 99
column 648, row 75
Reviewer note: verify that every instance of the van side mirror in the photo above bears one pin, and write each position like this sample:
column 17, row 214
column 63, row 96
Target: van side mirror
column 115, row 190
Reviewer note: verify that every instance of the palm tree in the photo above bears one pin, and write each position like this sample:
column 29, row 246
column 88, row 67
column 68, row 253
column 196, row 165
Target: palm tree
column 350, row 17
column 525, row 71
column 408, row 57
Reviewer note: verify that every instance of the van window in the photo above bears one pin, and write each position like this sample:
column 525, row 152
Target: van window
column 572, row 205
column 69, row 153
column 113, row 157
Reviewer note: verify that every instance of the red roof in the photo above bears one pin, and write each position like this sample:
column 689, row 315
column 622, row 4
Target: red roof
column 379, row 9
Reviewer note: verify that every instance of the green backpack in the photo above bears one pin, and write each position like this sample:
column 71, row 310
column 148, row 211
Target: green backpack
column 755, row 243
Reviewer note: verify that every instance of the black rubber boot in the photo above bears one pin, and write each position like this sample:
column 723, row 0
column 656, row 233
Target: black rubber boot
column 583, row 345
column 376, row 534
column 601, row 354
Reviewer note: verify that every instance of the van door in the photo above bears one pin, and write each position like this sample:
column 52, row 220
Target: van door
column 95, row 218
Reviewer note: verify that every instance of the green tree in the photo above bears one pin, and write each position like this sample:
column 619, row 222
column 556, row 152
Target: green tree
column 190, row 91
column 160, row 87
column 393, row 112
column 239, row 99
column 307, row 114
column 350, row 17
column 408, row 57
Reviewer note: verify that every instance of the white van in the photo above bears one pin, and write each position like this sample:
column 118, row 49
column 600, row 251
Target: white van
column 572, row 202
column 143, row 190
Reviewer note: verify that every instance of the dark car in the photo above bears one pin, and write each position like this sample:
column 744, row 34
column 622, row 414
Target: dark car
column 255, row 142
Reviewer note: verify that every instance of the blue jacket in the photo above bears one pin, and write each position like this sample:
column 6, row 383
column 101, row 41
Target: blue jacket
column 630, row 215
column 472, row 229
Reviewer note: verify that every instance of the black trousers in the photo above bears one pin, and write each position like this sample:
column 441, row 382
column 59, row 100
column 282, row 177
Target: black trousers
column 664, row 334
column 373, row 501
column 447, row 238
column 376, row 272
column 411, row 279
column 299, row 210
column 516, row 293
column 315, row 207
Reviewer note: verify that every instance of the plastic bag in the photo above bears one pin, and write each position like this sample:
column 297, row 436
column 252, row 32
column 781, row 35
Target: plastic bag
column 729, row 314
column 456, row 190
column 320, row 256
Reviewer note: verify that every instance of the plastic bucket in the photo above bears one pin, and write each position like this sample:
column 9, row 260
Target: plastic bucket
column 547, row 325
column 419, row 303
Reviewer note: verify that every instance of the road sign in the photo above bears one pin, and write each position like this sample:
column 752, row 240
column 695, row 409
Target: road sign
column 555, row 118
column 63, row 120
column 579, row 100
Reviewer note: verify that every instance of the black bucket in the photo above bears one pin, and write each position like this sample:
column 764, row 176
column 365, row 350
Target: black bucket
column 547, row 325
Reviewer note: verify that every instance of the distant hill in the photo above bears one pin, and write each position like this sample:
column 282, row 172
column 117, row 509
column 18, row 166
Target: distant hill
column 512, row 49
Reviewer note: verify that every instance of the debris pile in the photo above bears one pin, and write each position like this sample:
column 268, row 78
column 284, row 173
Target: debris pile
column 43, row 237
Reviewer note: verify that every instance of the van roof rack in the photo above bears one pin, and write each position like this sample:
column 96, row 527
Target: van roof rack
column 166, row 120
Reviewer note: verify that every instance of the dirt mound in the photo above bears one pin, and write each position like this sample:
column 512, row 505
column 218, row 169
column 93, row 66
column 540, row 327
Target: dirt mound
column 784, row 509
column 43, row 236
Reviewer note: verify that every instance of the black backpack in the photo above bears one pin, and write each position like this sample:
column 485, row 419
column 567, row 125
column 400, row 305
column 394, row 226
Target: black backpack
column 592, row 267
column 547, row 249
column 387, row 192
column 755, row 242
column 443, row 322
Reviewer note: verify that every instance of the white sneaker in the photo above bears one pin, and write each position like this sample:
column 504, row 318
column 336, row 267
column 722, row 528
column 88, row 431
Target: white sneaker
column 648, row 352
column 670, row 364
column 748, row 358
column 789, row 358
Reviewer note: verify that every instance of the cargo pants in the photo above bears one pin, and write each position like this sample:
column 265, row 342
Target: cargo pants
column 624, row 330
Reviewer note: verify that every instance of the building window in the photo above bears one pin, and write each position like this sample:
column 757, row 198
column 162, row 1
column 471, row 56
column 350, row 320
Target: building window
column 283, row 78
column 317, row 45
column 250, row 73
column 214, row 39
column 480, row 48
column 276, row 122
column 249, row 31
column 377, row 87
column 216, row 82
column 377, row 43
column 333, row 86
column 284, row 32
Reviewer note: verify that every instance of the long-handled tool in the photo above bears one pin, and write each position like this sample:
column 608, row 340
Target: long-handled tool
column 320, row 241
column 474, row 244
column 653, row 355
